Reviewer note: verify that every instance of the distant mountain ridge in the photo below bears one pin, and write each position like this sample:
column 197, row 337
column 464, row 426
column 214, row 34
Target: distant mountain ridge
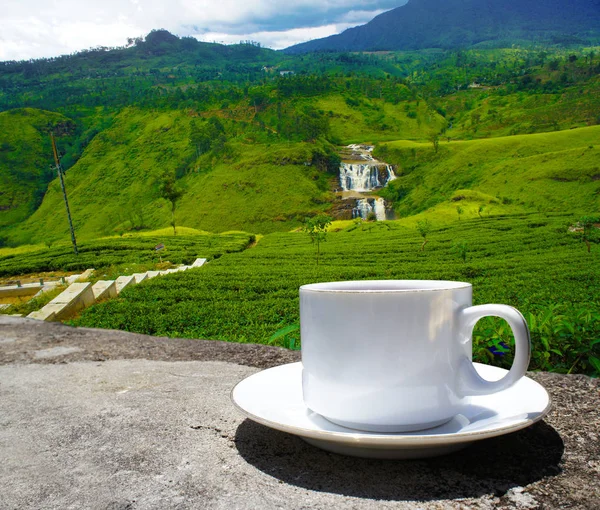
column 462, row 23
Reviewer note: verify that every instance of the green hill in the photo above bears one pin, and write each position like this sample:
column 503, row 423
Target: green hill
column 557, row 171
column 247, row 181
column 26, row 163
column 256, row 150
column 115, row 185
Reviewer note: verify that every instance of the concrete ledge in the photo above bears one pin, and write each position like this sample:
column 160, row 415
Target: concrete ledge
column 80, row 277
column 72, row 279
column 153, row 274
column 82, row 426
column 123, row 282
column 199, row 262
column 27, row 289
column 49, row 312
column 44, row 314
column 48, row 286
column 104, row 289
column 77, row 297
column 140, row 277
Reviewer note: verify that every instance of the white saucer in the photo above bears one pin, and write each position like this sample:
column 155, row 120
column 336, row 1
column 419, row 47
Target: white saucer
column 273, row 398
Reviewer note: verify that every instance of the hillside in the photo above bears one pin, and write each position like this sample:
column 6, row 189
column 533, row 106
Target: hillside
column 115, row 186
column 558, row 171
column 26, row 163
column 119, row 77
column 260, row 153
column 463, row 23
column 528, row 261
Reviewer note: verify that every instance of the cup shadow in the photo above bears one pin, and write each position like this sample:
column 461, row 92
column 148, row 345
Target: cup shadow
column 492, row 466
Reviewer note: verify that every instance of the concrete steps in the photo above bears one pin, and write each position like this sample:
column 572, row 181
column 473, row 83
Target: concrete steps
column 77, row 297
column 104, row 289
column 80, row 295
column 122, row 282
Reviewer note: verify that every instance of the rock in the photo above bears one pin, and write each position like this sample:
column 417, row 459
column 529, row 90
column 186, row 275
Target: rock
column 152, row 426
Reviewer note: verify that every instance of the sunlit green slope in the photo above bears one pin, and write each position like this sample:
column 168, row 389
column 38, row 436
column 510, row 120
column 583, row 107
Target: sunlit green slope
column 25, row 160
column 115, row 186
column 558, row 171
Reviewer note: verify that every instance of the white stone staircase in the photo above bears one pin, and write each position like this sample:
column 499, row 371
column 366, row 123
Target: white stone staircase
column 80, row 295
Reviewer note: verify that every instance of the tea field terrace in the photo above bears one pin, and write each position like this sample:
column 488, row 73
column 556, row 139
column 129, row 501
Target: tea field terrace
column 115, row 256
column 530, row 261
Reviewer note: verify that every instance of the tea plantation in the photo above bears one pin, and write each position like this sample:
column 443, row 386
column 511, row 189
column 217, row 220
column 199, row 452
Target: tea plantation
column 124, row 255
column 530, row 261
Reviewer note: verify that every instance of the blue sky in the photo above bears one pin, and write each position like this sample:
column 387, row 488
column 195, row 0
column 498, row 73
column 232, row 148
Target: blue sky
column 36, row 28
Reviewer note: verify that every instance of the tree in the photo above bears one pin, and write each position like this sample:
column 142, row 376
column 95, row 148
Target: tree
column 170, row 191
column 589, row 230
column 461, row 248
column 316, row 228
column 259, row 98
column 435, row 141
column 459, row 210
column 423, row 227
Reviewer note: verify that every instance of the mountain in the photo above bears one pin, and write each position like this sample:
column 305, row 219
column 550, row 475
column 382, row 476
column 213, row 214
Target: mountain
column 462, row 23
column 252, row 143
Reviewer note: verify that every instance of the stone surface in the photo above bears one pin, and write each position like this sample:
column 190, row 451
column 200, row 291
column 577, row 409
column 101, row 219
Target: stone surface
column 199, row 262
column 106, row 419
column 140, row 277
column 27, row 289
column 104, row 289
column 100, row 345
column 124, row 281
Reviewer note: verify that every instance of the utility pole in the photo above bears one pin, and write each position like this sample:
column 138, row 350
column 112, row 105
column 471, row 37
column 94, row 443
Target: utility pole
column 59, row 170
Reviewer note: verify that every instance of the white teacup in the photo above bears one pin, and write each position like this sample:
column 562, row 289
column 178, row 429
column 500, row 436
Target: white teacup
column 395, row 355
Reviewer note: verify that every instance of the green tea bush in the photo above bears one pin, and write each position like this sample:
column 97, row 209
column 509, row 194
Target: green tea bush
column 109, row 252
column 252, row 296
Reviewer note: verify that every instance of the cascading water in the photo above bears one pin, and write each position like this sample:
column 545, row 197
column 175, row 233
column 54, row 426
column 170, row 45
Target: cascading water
column 362, row 173
column 366, row 206
column 365, row 177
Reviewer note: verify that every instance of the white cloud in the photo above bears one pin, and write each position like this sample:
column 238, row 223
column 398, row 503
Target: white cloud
column 44, row 28
column 275, row 40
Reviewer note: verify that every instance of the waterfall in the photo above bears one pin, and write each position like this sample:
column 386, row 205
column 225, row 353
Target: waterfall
column 391, row 174
column 366, row 206
column 364, row 176
column 360, row 173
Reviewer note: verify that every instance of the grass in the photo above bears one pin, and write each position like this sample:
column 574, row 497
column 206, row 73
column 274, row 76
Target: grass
column 25, row 248
column 25, row 159
column 482, row 113
column 528, row 261
column 374, row 120
column 114, row 187
column 557, row 171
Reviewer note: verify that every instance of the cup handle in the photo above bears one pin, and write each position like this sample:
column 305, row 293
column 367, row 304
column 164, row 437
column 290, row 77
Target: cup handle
column 470, row 382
